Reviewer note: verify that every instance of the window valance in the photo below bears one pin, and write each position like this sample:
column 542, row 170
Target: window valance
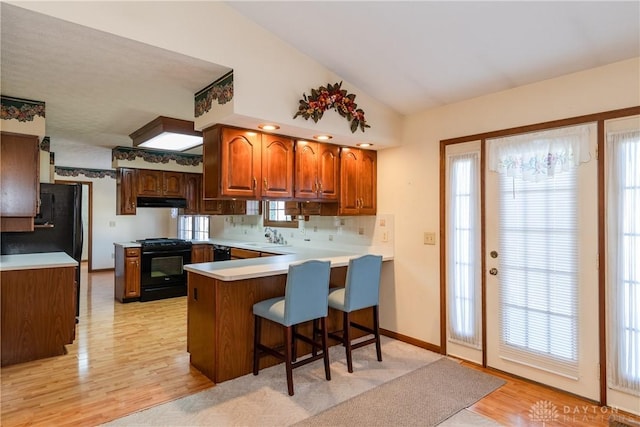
column 538, row 155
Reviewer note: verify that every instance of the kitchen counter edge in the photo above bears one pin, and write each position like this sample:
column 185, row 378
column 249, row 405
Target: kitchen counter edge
column 36, row 261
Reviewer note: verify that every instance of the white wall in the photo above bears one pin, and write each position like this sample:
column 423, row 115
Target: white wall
column 408, row 176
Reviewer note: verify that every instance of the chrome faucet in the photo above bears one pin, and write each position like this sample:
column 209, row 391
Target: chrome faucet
column 272, row 235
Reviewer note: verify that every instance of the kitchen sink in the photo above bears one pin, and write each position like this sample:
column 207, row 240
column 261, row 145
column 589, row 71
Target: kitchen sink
column 265, row 245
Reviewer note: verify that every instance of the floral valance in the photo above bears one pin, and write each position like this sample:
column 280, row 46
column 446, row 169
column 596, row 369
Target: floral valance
column 536, row 156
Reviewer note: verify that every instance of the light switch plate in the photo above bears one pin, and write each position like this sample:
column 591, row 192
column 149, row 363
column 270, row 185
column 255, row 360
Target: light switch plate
column 429, row 238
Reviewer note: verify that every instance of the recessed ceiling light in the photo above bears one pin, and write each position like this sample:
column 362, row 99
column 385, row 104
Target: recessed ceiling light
column 322, row 137
column 364, row 144
column 268, row 126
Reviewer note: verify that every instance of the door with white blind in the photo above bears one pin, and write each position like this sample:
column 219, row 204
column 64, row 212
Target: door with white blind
column 622, row 178
column 541, row 257
column 464, row 257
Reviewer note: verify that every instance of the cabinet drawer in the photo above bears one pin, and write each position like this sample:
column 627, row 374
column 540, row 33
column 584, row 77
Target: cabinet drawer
column 132, row 252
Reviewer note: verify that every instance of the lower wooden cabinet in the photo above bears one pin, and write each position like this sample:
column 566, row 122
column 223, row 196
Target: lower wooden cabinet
column 127, row 273
column 38, row 313
column 201, row 252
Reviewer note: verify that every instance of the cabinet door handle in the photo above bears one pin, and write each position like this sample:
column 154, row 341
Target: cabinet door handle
column 255, row 182
column 266, row 187
column 195, row 294
column 319, row 186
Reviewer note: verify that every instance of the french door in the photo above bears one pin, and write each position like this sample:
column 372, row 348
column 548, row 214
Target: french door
column 541, row 240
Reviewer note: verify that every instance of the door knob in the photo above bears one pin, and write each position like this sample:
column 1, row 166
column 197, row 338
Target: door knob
column 493, row 272
column 493, row 254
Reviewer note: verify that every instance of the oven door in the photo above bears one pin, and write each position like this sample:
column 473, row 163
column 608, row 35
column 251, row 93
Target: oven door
column 162, row 268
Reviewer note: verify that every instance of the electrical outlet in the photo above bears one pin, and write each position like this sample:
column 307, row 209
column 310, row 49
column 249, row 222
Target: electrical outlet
column 361, row 231
column 385, row 236
column 429, row 238
column 112, row 224
column 383, row 222
column 330, row 238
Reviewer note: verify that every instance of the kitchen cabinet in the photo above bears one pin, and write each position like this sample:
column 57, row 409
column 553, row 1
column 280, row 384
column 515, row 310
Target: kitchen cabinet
column 154, row 183
column 201, row 252
column 239, row 253
column 193, row 193
column 232, row 163
column 310, row 208
column 126, row 191
column 358, row 169
column 317, row 171
column 38, row 307
column 224, row 207
column 277, row 167
column 127, row 273
column 19, row 181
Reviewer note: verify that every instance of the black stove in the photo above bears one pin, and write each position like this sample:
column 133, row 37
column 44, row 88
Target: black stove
column 162, row 274
column 163, row 244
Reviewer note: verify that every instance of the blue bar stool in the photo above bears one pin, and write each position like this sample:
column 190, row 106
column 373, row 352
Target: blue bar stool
column 361, row 291
column 305, row 299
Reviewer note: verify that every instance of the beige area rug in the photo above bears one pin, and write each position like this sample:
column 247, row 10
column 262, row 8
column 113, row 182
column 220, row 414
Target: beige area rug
column 424, row 397
column 263, row 400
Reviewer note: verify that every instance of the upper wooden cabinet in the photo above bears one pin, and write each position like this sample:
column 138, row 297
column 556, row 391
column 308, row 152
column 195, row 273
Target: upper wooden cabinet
column 156, row 183
column 193, row 193
column 277, row 167
column 358, row 182
column 231, row 163
column 317, row 171
column 19, row 181
column 126, row 187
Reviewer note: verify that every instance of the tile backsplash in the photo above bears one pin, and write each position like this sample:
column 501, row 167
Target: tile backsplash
column 319, row 231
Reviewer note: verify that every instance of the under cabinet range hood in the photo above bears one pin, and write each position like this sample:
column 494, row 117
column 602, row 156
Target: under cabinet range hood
column 161, row 202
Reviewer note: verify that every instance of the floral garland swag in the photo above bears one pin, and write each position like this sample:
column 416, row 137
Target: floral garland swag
column 332, row 97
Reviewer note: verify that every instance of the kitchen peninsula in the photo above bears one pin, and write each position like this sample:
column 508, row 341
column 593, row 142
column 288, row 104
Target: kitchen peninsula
column 220, row 300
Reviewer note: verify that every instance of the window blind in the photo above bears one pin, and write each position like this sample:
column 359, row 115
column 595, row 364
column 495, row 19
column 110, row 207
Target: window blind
column 464, row 275
column 623, row 260
column 538, row 267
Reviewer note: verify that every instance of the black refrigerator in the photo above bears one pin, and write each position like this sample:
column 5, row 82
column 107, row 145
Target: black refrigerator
column 58, row 227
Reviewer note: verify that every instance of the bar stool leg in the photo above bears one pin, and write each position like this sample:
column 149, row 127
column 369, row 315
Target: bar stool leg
column 287, row 356
column 376, row 329
column 325, row 348
column 346, row 340
column 294, row 350
column 256, row 343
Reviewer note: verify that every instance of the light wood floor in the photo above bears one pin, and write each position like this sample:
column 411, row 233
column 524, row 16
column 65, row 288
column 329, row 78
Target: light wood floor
column 128, row 357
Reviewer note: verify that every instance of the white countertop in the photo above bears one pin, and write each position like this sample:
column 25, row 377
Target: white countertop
column 250, row 268
column 34, row 261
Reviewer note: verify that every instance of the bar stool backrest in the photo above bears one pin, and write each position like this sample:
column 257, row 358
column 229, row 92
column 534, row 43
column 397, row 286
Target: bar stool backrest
column 362, row 286
column 306, row 292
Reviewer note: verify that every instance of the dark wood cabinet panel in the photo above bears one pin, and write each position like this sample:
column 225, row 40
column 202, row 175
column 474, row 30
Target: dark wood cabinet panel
column 156, row 183
column 367, row 182
column 38, row 313
column 201, row 253
column 127, row 273
column 357, row 182
column 241, row 163
column 193, row 193
column 126, row 191
column 317, row 169
column 277, row 167
column 329, row 171
column 19, row 181
column 149, row 182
